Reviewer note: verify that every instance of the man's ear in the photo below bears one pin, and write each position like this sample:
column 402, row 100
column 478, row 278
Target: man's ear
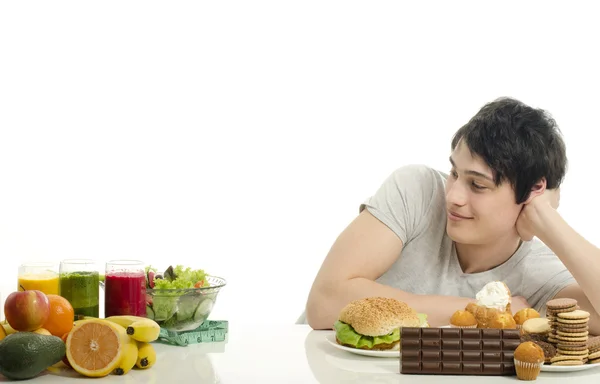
column 536, row 190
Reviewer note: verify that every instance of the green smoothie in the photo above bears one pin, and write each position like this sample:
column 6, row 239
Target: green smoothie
column 82, row 291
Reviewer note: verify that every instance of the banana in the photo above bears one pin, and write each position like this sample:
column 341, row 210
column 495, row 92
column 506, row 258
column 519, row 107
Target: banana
column 3, row 333
column 124, row 320
column 129, row 359
column 144, row 330
column 146, row 355
column 8, row 329
column 82, row 319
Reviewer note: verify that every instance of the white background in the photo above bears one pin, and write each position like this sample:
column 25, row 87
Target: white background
column 241, row 136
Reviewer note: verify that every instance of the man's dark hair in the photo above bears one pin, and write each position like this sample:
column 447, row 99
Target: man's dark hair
column 519, row 143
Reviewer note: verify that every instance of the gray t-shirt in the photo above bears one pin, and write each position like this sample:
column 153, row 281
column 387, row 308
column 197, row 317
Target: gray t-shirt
column 411, row 202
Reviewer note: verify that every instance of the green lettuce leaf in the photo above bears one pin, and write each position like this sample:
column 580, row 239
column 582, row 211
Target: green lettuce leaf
column 185, row 278
column 164, row 306
column 347, row 335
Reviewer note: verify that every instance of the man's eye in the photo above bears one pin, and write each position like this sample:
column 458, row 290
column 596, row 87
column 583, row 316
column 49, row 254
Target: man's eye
column 454, row 174
column 477, row 186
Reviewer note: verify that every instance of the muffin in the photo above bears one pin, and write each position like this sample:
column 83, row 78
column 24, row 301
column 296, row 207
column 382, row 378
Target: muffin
column 529, row 358
column 539, row 327
column 463, row 319
column 493, row 299
column 549, row 349
column 524, row 315
column 503, row 321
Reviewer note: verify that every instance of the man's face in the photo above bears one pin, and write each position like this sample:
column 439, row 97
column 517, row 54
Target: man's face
column 478, row 211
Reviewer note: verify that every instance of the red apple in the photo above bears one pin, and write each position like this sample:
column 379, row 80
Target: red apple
column 27, row 310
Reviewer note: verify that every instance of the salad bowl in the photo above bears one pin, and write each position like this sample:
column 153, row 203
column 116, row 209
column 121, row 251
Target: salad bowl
column 182, row 299
column 183, row 309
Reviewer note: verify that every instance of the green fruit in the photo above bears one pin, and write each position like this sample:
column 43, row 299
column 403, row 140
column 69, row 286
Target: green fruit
column 24, row 355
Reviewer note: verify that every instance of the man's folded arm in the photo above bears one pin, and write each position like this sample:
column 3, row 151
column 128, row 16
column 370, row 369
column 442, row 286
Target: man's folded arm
column 363, row 252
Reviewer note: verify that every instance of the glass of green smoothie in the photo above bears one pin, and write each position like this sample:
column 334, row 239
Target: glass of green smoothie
column 79, row 283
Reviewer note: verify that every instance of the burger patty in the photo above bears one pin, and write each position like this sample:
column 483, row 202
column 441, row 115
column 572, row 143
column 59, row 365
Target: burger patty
column 376, row 347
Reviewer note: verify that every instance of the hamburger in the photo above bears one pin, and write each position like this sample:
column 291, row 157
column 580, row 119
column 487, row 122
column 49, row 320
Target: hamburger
column 374, row 323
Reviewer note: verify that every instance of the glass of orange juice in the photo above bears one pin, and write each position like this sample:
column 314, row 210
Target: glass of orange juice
column 41, row 276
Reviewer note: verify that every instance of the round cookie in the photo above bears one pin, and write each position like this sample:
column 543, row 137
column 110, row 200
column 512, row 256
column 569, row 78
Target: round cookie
column 582, row 339
column 568, row 362
column 560, row 332
column 567, row 325
column 564, row 308
column 574, row 330
column 553, row 313
column 536, row 326
column 574, row 315
column 559, row 358
column 562, row 303
column 594, row 356
column 579, row 347
column 579, row 322
column 563, row 352
column 568, row 346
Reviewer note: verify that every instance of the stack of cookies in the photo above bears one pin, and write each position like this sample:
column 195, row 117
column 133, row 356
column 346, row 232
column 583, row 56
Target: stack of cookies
column 554, row 307
column 570, row 336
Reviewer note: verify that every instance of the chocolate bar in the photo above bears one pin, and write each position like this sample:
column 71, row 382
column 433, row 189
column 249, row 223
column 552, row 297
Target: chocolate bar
column 458, row 351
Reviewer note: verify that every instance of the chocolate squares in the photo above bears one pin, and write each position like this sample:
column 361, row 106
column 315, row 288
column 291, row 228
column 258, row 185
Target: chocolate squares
column 458, row 351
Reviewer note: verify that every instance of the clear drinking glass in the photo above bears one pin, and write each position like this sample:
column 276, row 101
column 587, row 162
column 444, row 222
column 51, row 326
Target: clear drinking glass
column 79, row 283
column 41, row 276
column 125, row 288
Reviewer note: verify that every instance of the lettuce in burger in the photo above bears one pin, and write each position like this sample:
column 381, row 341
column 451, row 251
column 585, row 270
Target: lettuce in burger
column 375, row 322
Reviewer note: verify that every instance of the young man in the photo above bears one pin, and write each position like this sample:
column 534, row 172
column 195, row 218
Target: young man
column 434, row 240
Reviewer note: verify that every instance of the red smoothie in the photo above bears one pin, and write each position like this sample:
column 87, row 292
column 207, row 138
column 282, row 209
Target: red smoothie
column 125, row 294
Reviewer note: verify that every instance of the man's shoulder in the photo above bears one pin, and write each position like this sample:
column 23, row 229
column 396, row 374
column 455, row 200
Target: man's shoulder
column 419, row 174
column 419, row 170
column 408, row 200
column 539, row 249
column 540, row 256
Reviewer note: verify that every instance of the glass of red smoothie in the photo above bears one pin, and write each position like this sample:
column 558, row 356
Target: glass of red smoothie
column 125, row 288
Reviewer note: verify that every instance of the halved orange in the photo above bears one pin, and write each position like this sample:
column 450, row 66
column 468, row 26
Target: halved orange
column 94, row 347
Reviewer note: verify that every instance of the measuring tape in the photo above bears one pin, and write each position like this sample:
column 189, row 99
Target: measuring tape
column 210, row 331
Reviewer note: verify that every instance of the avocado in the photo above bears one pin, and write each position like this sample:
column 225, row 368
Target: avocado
column 24, row 355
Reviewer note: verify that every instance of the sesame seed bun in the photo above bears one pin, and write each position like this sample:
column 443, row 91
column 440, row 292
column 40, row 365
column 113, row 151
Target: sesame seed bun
column 378, row 316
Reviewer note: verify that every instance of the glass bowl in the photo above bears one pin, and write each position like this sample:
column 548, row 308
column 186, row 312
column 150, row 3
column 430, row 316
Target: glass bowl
column 183, row 309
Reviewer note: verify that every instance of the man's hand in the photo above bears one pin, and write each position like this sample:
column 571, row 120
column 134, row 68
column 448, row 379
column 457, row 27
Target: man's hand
column 517, row 303
column 529, row 221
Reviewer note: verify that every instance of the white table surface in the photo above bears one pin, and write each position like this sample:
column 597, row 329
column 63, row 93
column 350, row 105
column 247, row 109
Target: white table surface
column 283, row 354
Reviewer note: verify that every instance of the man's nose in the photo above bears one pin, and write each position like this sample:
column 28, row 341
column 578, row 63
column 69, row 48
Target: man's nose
column 457, row 194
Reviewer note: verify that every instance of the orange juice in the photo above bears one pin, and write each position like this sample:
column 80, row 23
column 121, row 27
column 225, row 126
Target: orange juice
column 46, row 282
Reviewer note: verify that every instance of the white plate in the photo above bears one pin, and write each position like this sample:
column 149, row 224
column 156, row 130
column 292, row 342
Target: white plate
column 365, row 352
column 568, row 368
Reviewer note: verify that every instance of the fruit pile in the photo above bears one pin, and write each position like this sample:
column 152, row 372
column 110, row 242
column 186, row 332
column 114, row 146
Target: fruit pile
column 40, row 331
